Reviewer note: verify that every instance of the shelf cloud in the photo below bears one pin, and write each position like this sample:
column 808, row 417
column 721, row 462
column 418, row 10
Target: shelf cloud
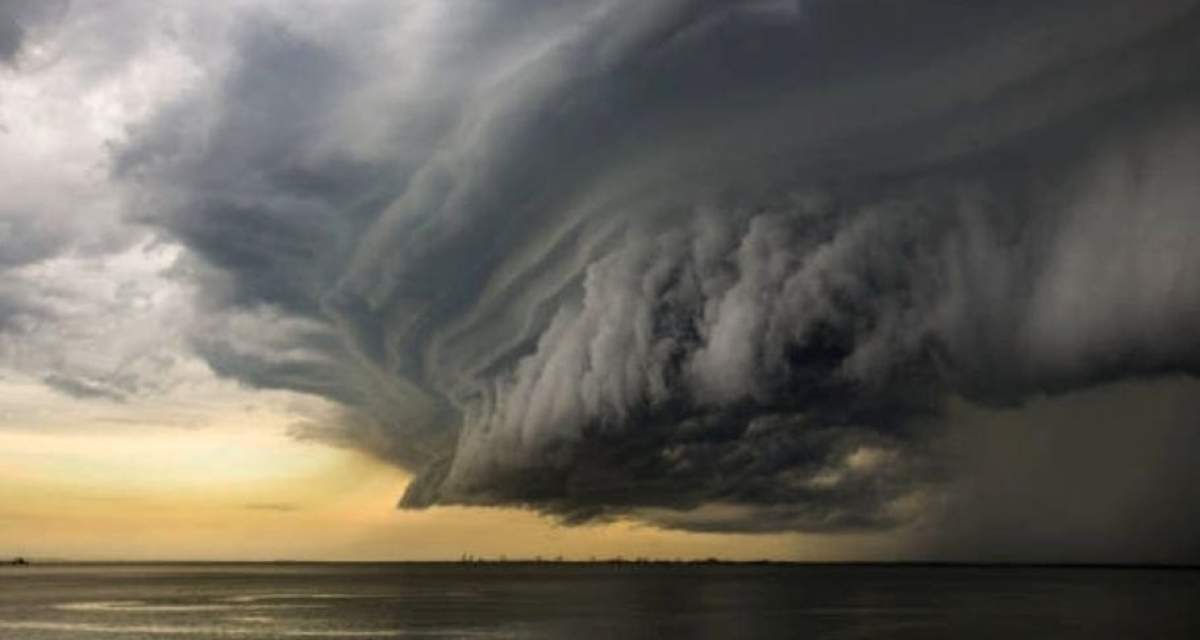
column 718, row 266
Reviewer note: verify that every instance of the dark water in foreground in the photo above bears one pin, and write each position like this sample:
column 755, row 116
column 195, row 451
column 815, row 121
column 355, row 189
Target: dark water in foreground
column 126, row 602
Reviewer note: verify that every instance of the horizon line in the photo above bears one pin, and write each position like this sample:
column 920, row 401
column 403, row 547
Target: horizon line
column 618, row 560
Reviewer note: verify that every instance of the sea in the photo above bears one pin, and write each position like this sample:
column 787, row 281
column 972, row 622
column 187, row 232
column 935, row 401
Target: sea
column 584, row 601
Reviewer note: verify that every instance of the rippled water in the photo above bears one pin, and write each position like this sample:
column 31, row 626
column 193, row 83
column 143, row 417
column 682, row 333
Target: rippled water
column 127, row 602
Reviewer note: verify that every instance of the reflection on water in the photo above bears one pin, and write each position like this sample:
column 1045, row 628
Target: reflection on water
column 136, row 606
column 84, row 630
column 136, row 602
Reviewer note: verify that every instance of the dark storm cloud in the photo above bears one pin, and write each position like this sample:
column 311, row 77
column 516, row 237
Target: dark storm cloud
column 10, row 35
column 80, row 388
column 13, row 15
column 26, row 237
column 19, row 17
column 1076, row 476
column 718, row 264
column 19, row 310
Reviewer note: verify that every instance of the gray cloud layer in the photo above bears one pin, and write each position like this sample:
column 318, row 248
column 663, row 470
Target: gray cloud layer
column 719, row 264
column 20, row 17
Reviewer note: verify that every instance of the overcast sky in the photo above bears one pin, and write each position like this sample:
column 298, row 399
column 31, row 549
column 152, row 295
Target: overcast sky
column 906, row 278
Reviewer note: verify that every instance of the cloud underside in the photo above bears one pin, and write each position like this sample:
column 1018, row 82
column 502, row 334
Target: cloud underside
column 722, row 266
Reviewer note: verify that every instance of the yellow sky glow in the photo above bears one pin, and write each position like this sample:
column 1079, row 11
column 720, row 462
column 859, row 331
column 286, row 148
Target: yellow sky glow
column 256, row 494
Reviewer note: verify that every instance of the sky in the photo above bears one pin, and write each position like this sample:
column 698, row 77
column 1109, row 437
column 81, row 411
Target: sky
column 408, row 279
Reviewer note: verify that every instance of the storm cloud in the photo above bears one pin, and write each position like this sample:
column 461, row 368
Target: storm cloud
column 714, row 265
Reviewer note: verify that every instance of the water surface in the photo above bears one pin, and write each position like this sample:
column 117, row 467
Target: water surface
column 267, row 601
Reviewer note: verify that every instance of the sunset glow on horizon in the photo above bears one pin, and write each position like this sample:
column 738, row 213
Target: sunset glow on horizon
column 239, row 493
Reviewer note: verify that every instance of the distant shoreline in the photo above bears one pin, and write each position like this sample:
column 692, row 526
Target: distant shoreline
column 34, row 563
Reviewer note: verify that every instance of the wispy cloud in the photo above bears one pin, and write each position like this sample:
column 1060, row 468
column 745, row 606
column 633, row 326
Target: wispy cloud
column 271, row 506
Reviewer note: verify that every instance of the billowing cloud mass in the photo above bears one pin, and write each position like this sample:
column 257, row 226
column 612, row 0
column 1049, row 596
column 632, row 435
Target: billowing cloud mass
column 724, row 266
